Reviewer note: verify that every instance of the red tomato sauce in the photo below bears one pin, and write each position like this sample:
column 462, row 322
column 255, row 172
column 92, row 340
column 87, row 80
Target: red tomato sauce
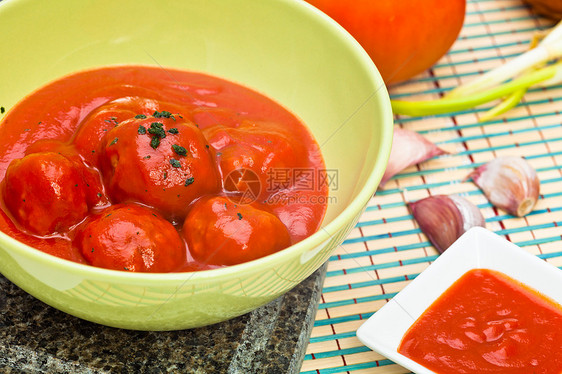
column 139, row 168
column 487, row 322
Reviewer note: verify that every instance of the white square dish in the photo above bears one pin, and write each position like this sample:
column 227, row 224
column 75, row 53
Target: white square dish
column 477, row 248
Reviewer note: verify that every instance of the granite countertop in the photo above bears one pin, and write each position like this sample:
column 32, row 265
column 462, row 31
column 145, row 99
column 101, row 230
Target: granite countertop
column 35, row 338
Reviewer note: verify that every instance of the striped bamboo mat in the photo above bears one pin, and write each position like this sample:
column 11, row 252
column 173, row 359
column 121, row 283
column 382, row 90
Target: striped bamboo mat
column 386, row 249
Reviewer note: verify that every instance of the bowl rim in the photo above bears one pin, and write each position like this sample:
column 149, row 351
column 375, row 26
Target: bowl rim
column 323, row 234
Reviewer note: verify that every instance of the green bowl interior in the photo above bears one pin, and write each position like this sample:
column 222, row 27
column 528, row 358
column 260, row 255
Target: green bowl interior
column 285, row 49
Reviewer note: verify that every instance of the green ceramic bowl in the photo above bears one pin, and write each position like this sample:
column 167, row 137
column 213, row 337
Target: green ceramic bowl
column 285, row 49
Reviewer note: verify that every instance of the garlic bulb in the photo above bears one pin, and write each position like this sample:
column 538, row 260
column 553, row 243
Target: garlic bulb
column 443, row 219
column 408, row 148
column 509, row 183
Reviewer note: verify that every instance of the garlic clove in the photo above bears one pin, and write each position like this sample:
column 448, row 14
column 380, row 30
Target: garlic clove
column 443, row 219
column 408, row 148
column 509, row 183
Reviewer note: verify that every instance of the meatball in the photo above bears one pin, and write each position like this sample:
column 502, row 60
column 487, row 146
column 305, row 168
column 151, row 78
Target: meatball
column 265, row 148
column 131, row 237
column 161, row 161
column 220, row 232
column 45, row 193
column 107, row 116
column 95, row 191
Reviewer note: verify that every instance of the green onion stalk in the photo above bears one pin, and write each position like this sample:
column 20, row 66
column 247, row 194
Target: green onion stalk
column 537, row 67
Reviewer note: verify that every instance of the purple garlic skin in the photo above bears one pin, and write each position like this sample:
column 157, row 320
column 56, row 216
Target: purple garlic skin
column 408, row 148
column 443, row 219
column 509, row 183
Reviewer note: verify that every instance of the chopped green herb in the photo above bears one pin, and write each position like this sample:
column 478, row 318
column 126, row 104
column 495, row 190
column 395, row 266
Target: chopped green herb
column 2, row 110
column 155, row 142
column 162, row 114
column 141, row 130
column 93, row 151
column 76, row 185
column 126, row 268
column 225, row 206
column 239, row 215
column 156, row 129
column 114, row 141
column 99, row 194
column 219, row 153
column 140, row 116
column 92, row 249
column 179, row 150
column 189, row 181
column 207, row 146
column 173, row 130
column 165, row 174
column 175, row 163
column 146, row 157
column 26, row 130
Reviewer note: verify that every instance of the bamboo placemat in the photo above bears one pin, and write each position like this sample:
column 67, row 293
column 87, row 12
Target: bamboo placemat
column 386, row 249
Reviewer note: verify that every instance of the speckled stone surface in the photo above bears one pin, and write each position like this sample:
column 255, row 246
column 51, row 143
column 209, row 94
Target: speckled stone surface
column 35, row 338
